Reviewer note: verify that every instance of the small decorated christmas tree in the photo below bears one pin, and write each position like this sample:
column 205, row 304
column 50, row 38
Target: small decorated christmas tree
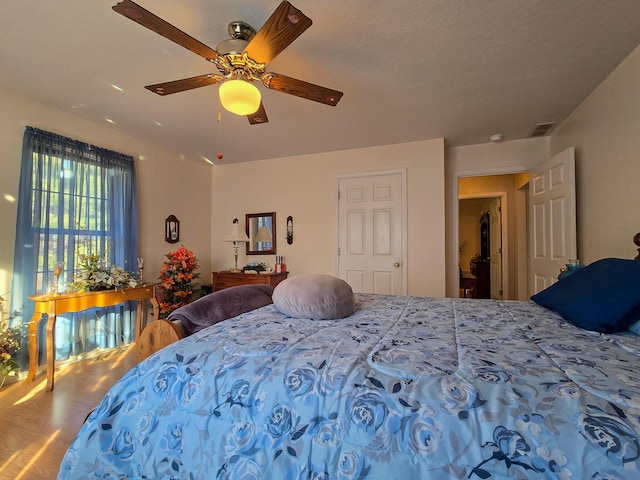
column 177, row 275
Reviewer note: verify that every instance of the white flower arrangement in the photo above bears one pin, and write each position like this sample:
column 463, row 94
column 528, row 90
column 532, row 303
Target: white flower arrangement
column 8, row 346
column 95, row 273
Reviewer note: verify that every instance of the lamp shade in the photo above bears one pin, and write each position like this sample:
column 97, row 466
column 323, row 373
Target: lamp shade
column 239, row 97
column 263, row 235
column 237, row 234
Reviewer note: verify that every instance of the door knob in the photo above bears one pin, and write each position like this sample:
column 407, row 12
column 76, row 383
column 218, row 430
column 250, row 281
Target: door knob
column 397, row 264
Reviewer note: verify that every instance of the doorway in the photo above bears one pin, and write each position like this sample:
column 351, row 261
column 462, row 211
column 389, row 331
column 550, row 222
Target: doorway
column 506, row 256
column 521, row 269
column 483, row 247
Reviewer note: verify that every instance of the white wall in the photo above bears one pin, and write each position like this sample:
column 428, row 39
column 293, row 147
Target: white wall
column 305, row 187
column 605, row 130
column 167, row 184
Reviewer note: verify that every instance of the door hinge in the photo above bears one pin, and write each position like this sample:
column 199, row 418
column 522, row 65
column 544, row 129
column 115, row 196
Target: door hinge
column 338, row 194
column 338, row 252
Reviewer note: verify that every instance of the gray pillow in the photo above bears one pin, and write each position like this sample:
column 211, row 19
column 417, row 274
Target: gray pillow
column 315, row 296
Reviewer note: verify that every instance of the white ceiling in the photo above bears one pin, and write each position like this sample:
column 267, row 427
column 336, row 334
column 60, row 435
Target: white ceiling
column 410, row 70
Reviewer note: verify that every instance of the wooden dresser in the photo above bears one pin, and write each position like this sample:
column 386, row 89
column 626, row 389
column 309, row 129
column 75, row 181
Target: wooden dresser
column 228, row 279
column 482, row 271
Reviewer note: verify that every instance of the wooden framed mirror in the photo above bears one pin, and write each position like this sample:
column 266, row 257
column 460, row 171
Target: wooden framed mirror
column 261, row 229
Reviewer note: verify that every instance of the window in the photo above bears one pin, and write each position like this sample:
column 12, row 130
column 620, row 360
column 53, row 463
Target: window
column 69, row 191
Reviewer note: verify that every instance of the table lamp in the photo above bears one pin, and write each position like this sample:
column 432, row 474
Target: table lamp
column 237, row 236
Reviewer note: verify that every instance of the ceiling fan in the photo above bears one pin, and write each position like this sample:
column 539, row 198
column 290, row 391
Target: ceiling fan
column 241, row 60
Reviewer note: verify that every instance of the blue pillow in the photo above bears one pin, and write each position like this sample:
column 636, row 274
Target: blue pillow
column 603, row 297
column 635, row 327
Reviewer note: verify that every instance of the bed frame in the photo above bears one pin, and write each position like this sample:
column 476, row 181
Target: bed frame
column 160, row 333
column 157, row 335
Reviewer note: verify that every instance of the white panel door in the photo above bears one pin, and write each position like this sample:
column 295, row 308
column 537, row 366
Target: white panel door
column 371, row 233
column 495, row 247
column 552, row 211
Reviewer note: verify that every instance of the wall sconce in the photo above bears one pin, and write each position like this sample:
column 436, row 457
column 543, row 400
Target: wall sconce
column 171, row 229
column 289, row 230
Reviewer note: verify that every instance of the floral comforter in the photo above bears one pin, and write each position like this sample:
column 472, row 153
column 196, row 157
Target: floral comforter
column 405, row 388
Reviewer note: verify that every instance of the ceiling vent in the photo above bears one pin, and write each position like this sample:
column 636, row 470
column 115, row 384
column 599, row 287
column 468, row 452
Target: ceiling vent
column 542, row 129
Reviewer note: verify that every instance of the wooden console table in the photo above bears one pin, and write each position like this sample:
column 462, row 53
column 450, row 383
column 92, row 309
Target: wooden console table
column 54, row 305
column 228, row 279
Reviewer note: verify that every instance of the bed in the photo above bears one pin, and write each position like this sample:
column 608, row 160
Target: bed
column 402, row 388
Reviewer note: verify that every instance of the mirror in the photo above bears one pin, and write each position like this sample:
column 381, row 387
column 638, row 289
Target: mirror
column 261, row 229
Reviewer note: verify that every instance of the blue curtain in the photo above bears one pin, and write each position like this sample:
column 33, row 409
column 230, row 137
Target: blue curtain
column 70, row 191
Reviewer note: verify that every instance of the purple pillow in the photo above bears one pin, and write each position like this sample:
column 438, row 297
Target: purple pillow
column 221, row 305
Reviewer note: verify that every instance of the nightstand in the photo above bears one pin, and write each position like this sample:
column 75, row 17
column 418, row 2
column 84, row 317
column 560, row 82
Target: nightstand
column 228, row 279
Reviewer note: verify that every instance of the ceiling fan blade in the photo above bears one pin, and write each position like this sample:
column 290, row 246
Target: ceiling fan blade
column 260, row 116
column 284, row 25
column 154, row 23
column 299, row 88
column 176, row 86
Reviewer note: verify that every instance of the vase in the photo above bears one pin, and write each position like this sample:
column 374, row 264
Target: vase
column 571, row 267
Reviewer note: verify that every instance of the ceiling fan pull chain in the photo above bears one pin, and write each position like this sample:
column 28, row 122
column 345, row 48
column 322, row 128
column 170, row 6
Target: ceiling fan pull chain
column 219, row 119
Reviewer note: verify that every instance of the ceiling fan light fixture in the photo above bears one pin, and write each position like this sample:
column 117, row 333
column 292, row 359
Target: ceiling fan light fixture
column 239, row 97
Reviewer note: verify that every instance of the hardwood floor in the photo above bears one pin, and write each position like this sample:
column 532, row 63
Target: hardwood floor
column 36, row 427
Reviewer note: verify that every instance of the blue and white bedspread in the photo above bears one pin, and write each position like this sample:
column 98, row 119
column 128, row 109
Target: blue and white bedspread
column 405, row 388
